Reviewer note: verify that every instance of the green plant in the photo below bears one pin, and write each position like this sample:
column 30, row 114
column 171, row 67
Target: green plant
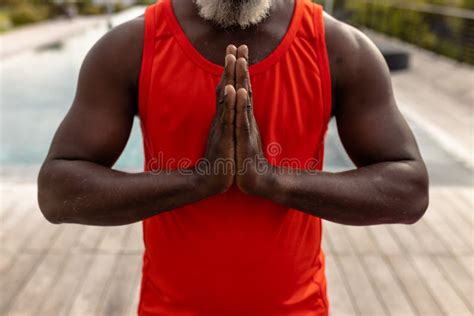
column 145, row 2
column 25, row 13
column 5, row 22
column 443, row 34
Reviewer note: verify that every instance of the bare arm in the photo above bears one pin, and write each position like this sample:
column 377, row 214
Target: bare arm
column 76, row 183
column 390, row 184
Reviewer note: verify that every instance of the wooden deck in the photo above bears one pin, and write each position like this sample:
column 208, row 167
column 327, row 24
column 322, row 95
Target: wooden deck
column 424, row 269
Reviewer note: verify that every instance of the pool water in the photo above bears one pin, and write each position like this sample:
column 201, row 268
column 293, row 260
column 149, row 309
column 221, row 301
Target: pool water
column 36, row 91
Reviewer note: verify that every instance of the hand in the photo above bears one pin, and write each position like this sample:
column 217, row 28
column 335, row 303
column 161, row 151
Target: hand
column 253, row 169
column 220, row 153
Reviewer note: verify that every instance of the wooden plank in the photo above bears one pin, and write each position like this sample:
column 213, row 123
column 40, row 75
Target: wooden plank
column 68, row 238
column 468, row 263
column 384, row 240
column 368, row 301
column 446, row 236
column 77, row 264
column 325, row 246
column 6, row 259
column 459, row 279
column 360, row 239
column 461, row 228
column 9, row 211
column 35, row 290
column 387, row 286
column 430, row 241
column 19, row 230
column 44, row 236
column 62, row 293
column 340, row 300
column 16, row 277
column 406, row 239
column 135, row 240
column 133, row 307
column 464, row 201
column 114, row 238
column 446, row 208
column 42, row 274
column 90, row 238
column 414, row 286
column 445, row 295
column 340, row 245
column 18, row 236
column 118, row 295
column 95, row 283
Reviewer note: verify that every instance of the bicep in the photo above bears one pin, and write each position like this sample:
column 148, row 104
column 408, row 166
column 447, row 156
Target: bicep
column 99, row 122
column 370, row 125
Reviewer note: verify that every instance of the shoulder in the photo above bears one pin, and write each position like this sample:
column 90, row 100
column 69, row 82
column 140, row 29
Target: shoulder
column 350, row 51
column 117, row 54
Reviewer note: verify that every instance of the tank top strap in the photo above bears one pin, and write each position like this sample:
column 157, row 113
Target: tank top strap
column 154, row 28
column 147, row 59
column 323, row 59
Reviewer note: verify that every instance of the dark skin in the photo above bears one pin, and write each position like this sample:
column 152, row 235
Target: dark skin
column 77, row 184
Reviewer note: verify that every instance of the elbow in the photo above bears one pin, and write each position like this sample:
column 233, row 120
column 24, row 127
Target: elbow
column 51, row 215
column 417, row 197
column 417, row 209
column 47, row 196
column 47, row 208
column 406, row 193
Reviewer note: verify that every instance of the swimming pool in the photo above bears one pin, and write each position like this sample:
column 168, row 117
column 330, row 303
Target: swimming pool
column 36, row 90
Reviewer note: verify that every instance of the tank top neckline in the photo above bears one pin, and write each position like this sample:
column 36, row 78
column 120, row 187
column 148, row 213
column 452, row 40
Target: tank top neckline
column 216, row 69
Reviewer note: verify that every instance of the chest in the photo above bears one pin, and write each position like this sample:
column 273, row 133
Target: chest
column 288, row 104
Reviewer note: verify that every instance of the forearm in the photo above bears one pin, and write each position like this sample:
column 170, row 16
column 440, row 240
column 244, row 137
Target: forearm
column 391, row 192
column 86, row 193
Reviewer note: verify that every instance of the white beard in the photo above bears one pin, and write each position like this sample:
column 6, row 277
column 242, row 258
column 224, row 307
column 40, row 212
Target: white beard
column 227, row 13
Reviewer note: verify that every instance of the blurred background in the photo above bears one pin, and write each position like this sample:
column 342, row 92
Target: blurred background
column 424, row 269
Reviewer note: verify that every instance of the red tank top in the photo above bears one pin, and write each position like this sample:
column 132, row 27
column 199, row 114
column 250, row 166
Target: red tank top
column 233, row 254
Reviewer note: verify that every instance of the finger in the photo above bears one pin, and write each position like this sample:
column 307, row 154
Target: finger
column 230, row 59
column 231, row 50
column 243, row 51
column 229, row 71
column 227, row 116
column 228, row 77
column 242, row 119
column 243, row 80
column 241, row 74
